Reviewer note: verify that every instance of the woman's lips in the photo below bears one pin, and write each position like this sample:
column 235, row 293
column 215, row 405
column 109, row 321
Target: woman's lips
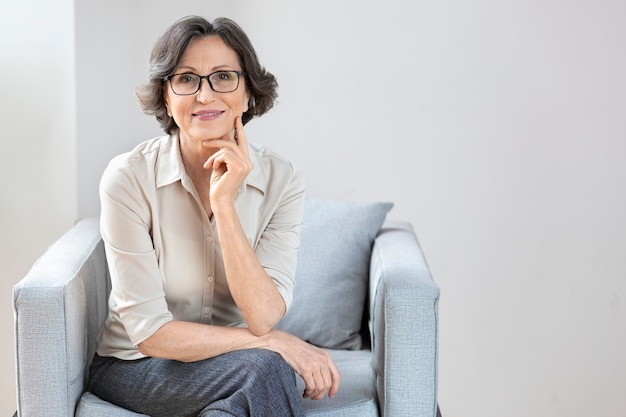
column 208, row 114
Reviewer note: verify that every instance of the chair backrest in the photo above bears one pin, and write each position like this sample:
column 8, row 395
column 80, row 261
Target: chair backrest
column 59, row 309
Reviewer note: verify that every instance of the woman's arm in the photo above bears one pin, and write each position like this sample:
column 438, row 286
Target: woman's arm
column 253, row 290
column 189, row 342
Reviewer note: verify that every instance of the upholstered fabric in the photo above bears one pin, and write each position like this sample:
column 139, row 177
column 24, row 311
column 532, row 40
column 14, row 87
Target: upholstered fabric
column 404, row 324
column 333, row 271
column 60, row 305
column 92, row 406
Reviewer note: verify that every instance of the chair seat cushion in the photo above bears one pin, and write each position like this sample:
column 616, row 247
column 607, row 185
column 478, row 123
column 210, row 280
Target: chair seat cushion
column 92, row 406
column 356, row 396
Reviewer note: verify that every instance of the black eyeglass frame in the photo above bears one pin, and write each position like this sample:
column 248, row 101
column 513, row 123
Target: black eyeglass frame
column 239, row 74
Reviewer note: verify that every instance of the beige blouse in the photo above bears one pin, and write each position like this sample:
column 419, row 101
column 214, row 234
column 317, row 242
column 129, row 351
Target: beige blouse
column 163, row 251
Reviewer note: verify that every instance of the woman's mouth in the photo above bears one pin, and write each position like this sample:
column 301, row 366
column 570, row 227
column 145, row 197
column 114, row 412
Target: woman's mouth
column 208, row 114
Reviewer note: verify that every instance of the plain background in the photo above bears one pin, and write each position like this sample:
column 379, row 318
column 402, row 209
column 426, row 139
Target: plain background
column 498, row 128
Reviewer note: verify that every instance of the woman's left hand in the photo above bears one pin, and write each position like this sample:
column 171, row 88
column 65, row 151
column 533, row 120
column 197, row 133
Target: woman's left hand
column 229, row 166
column 315, row 365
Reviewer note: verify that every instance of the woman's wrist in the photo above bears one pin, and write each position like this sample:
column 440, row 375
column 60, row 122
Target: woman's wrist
column 223, row 207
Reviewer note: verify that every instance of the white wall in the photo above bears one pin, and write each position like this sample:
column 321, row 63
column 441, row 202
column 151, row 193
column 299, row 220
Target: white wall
column 502, row 139
column 498, row 130
column 37, row 149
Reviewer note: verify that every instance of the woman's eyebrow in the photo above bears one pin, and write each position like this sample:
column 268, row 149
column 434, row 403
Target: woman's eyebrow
column 215, row 68
column 218, row 67
column 185, row 68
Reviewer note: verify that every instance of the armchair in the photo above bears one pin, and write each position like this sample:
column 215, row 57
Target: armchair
column 390, row 371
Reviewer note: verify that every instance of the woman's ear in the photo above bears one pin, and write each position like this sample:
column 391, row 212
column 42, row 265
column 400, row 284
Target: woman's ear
column 165, row 101
column 249, row 103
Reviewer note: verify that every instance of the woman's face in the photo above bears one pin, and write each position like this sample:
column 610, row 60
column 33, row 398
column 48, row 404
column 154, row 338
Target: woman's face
column 207, row 114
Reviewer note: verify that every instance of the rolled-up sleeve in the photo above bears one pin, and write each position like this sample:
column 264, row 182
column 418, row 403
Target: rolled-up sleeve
column 137, row 297
column 277, row 249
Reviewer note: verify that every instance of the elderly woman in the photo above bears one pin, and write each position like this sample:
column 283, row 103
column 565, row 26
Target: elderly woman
column 201, row 231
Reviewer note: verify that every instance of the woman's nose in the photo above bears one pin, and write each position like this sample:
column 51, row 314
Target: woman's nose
column 205, row 91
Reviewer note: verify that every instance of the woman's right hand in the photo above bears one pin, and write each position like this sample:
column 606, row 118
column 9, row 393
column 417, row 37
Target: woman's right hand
column 314, row 365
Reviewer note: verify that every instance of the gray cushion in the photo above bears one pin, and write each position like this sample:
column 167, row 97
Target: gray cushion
column 90, row 405
column 333, row 271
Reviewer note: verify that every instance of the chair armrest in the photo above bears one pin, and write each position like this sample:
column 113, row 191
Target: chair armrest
column 57, row 307
column 403, row 323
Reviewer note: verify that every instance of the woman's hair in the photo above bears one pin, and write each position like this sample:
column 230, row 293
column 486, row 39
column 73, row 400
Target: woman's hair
column 169, row 49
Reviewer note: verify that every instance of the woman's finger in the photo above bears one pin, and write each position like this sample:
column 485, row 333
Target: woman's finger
column 309, row 384
column 335, row 379
column 240, row 134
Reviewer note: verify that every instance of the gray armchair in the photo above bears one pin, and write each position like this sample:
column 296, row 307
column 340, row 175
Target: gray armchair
column 390, row 371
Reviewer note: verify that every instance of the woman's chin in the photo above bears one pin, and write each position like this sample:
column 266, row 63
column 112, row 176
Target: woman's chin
column 212, row 133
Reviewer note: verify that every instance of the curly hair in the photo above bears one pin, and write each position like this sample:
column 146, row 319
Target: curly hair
column 171, row 46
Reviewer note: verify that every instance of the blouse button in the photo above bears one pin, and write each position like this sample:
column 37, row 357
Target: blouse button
column 209, row 239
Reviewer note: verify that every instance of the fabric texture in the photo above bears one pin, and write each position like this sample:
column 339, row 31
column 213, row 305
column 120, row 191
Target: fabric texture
column 333, row 271
column 91, row 405
column 404, row 324
column 242, row 383
column 163, row 250
column 59, row 308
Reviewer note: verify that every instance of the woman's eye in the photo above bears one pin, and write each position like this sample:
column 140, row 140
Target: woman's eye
column 187, row 78
column 224, row 76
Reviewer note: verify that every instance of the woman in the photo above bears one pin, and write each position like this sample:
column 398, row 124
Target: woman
column 201, row 232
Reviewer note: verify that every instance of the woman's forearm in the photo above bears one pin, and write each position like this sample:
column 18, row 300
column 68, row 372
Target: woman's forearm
column 252, row 289
column 190, row 342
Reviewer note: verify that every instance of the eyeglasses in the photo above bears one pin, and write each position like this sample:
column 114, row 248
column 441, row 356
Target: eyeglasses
column 188, row 83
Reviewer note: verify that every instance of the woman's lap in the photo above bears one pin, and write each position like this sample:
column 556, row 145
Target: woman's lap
column 253, row 382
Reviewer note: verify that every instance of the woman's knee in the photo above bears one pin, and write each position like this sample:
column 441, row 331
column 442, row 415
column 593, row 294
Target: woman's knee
column 268, row 364
column 258, row 380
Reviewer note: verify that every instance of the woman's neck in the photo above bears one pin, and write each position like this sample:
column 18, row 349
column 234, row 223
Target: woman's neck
column 194, row 155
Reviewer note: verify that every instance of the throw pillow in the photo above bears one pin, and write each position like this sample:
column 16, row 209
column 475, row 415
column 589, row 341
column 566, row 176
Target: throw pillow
column 333, row 272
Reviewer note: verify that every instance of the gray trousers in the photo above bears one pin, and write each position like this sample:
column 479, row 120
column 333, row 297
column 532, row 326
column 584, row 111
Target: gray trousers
column 253, row 382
